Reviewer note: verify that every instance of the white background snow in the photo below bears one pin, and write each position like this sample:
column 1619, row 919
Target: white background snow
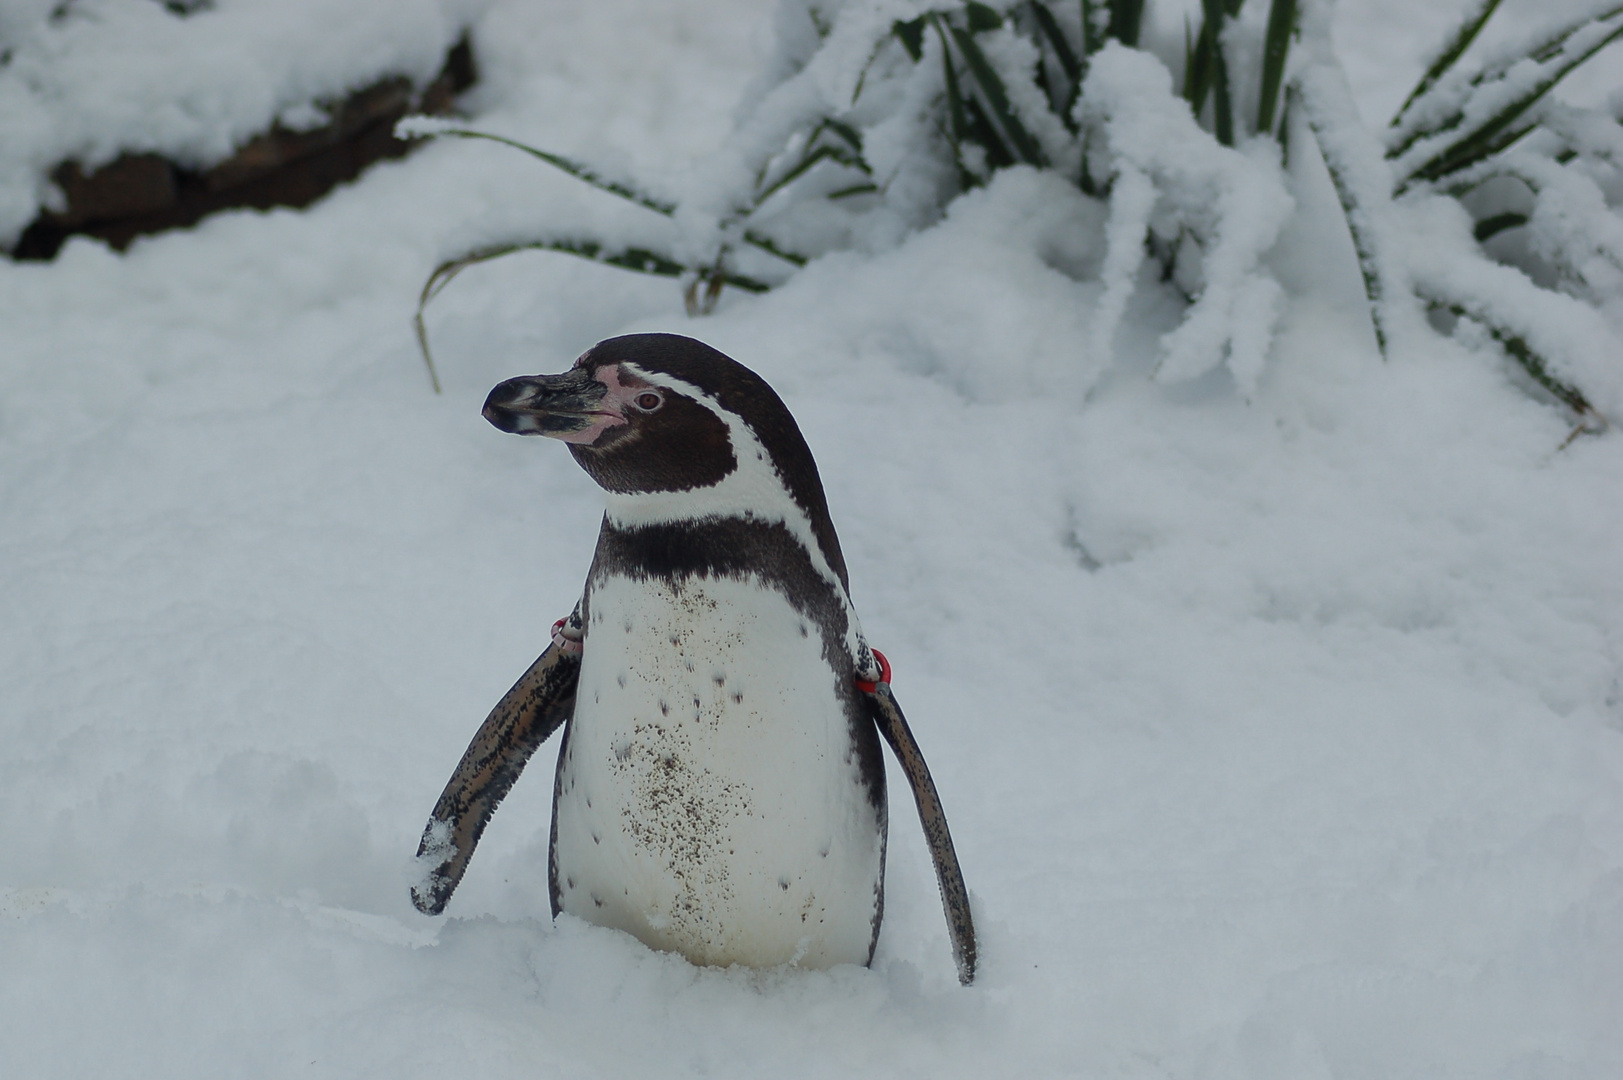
column 1281, row 734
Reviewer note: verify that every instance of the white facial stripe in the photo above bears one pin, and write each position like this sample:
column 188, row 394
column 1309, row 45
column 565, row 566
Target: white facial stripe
column 753, row 490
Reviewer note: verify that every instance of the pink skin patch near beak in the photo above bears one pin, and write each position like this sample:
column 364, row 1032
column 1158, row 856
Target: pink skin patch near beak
column 612, row 410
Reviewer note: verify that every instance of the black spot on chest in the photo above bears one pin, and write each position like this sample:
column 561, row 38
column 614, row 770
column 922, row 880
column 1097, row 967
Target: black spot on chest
column 768, row 555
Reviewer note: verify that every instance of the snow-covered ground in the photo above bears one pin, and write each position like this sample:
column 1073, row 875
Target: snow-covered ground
column 1281, row 735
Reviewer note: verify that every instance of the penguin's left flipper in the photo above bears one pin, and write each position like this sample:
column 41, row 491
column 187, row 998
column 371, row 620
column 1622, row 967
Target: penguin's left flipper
column 954, row 896
column 521, row 721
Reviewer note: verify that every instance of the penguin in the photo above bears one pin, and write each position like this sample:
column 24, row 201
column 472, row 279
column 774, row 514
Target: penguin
column 720, row 789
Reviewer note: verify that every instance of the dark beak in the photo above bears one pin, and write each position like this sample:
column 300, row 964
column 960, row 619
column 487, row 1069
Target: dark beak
column 546, row 404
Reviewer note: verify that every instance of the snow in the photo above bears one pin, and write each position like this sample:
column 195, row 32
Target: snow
column 1277, row 712
column 1225, row 204
column 1569, row 227
column 193, row 88
column 1578, row 342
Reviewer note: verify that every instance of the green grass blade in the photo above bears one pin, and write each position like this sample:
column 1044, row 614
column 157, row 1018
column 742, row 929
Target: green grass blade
column 807, row 163
column 1492, row 226
column 1207, row 69
column 862, row 76
column 1556, row 43
column 1070, row 66
column 1201, row 70
column 959, row 129
column 1056, row 40
column 1362, row 237
column 1464, row 34
column 768, row 245
column 1536, row 366
column 748, row 284
column 997, row 99
column 1092, row 40
column 981, row 17
column 1222, row 105
column 854, row 189
column 438, row 280
column 851, row 135
column 803, row 166
column 1045, row 82
column 998, row 155
column 1275, row 51
column 641, row 260
column 1482, row 151
column 1496, row 133
column 1285, row 131
column 955, row 98
column 817, row 150
column 1126, row 19
column 1414, row 135
column 911, row 35
column 586, row 174
column 573, row 168
column 1188, row 56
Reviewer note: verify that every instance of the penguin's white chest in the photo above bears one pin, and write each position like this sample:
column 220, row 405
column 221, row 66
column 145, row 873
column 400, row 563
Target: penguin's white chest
column 709, row 799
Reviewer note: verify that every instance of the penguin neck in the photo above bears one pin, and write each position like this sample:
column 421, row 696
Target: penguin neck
column 771, row 477
column 755, row 489
column 750, row 500
column 748, row 495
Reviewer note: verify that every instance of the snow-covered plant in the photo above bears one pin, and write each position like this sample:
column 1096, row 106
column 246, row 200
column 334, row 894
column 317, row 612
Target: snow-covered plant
column 1531, row 246
column 873, row 115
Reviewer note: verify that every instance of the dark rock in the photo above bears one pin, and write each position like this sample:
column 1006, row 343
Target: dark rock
column 143, row 193
column 134, row 185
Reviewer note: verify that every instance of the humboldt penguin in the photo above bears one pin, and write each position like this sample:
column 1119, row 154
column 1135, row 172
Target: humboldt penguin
column 720, row 790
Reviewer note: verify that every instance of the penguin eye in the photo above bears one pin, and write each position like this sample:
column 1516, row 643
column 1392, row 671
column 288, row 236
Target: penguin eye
column 648, row 401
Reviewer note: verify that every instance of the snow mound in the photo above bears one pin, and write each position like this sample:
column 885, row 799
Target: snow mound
column 89, row 80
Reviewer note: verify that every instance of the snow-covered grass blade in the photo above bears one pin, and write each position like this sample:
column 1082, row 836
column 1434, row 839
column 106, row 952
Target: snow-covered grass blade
column 1275, row 51
column 1463, row 117
column 706, row 281
column 1526, row 168
column 1471, row 25
column 642, row 260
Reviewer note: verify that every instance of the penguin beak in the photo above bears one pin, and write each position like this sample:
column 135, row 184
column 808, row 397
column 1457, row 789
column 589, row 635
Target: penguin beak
column 569, row 406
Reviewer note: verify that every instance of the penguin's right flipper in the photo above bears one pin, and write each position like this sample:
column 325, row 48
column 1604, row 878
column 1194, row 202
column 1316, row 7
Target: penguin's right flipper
column 887, row 715
column 521, row 721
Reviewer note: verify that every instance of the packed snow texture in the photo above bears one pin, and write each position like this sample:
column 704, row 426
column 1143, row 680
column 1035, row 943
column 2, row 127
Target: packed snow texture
column 1277, row 711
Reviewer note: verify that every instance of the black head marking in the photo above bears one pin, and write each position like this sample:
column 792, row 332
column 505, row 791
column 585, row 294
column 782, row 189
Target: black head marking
column 693, row 455
column 680, row 447
column 635, row 435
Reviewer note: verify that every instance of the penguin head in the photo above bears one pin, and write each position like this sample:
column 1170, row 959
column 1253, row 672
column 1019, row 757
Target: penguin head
column 630, row 433
column 674, row 429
